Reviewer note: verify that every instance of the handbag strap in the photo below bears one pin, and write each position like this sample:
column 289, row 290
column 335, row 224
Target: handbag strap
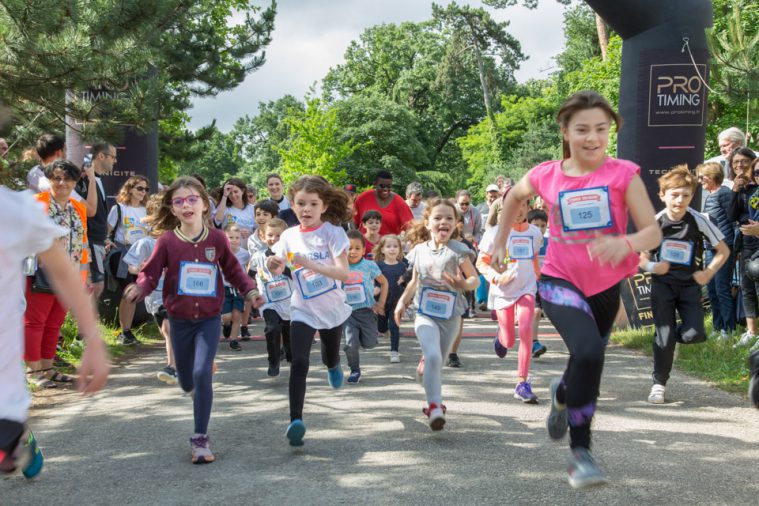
column 118, row 222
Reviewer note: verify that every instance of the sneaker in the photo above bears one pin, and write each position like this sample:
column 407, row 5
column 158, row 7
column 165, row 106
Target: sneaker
column 453, row 360
column 335, row 377
column 168, row 375
column 582, row 469
column 354, row 377
column 538, row 349
column 436, row 415
column 724, row 335
column 25, row 456
column 656, row 396
column 235, row 345
column 500, row 349
column 273, row 370
column 557, row 421
column 523, row 392
column 226, row 330
column 244, row 334
column 295, row 432
column 746, row 339
column 126, row 338
column 201, row 452
column 753, row 385
column 395, row 357
column 420, row 370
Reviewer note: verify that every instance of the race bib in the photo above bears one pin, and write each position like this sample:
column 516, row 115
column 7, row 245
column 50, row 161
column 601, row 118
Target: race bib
column 312, row 284
column 197, row 279
column 354, row 293
column 676, row 252
column 133, row 234
column 521, row 247
column 585, row 209
column 277, row 290
column 437, row 304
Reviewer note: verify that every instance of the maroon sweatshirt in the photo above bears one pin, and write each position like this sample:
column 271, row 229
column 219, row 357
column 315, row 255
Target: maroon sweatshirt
column 193, row 288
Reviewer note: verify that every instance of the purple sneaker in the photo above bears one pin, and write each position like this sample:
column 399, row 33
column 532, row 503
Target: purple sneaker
column 523, row 392
column 201, row 453
column 500, row 349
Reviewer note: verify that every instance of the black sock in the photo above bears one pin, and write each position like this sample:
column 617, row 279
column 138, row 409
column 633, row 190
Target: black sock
column 10, row 431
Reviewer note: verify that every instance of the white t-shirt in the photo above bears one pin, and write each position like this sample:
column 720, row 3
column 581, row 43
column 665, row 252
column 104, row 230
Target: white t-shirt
column 418, row 210
column 132, row 227
column 140, row 252
column 271, row 287
column 26, row 230
column 284, row 203
column 317, row 300
column 522, row 247
column 243, row 257
column 244, row 218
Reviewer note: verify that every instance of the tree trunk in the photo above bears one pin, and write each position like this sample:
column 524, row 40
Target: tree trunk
column 603, row 36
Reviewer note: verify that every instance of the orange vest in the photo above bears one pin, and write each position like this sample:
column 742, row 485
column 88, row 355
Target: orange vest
column 81, row 210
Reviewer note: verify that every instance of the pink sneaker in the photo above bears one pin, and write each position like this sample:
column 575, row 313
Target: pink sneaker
column 436, row 415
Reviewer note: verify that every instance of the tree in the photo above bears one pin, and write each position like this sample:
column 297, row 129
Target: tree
column 315, row 145
column 216, row 160
column 141, row 60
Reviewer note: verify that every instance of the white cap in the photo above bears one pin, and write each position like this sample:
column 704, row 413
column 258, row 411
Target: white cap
column 491, row 188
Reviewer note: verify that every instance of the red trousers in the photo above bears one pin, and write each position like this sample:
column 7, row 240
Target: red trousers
column 43, row 319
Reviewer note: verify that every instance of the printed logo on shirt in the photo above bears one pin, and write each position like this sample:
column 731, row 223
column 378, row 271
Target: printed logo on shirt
column 355, row 277
column 210, row 254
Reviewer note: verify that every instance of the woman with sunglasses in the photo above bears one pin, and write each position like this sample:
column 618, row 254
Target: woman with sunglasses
column 745, row 210
column 396, row 214
column 125, row 227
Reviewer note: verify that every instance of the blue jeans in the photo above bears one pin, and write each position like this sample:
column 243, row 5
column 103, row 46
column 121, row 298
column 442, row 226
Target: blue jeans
column 720, row 293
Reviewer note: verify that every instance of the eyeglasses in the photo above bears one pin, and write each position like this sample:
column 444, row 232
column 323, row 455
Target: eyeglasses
column 742, row 161
column 190, row 199
column 141, row 188
column 61, row 179
column 463, row 204
column 384, row 186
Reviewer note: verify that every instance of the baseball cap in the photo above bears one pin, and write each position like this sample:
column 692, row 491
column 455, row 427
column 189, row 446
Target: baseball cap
column 491, row 188
column 350, row 188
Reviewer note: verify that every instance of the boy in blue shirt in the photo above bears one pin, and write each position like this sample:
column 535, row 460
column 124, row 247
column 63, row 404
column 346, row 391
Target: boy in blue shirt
column 361, row 326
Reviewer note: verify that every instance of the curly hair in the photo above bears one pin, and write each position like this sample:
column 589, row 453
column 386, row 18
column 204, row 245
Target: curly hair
column 337, row 202
column 125, row 198
column 377, row 251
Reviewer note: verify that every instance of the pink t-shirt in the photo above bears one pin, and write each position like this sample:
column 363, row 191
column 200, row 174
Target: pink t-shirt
column 579, row 210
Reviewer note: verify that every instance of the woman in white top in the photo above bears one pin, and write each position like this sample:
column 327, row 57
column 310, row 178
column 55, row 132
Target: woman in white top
column 233, row 207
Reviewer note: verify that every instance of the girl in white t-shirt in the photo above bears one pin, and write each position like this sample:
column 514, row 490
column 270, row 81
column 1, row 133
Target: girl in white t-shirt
column 126, row 226
column 513, row 292
column 442, row 272
column 233, row 207
column 316, row 253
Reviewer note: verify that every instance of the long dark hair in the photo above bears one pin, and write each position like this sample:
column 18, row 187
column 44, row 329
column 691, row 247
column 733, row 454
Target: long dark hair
column 337, row 202
column 580, row 101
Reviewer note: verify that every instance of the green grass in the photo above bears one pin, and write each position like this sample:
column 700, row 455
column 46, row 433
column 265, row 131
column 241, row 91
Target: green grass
column 714, row 361
column 72, row 348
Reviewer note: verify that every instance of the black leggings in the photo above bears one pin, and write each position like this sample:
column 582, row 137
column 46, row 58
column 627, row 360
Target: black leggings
column 277, row 332
column 301, row 338
column 584, row 324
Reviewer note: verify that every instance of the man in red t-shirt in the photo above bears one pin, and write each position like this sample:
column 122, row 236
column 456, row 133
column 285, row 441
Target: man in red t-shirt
column 394, row 210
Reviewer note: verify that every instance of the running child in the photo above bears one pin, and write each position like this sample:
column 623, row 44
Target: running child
column 538, row 218
column 234, row 303
column 588, row 196
column 360, row 329
column 277, row 291
column 513, row 293
column 679, row 273
column 26, row 231
column 317, row 254
column 372, row 221
column 442, row 272
column 194, row 258
column 388, row 253
column 136, row 258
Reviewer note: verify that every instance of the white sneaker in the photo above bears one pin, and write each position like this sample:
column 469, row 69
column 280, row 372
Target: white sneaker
column 746, row 339
column 395, row 357
column 724, row 335
column 657, row 394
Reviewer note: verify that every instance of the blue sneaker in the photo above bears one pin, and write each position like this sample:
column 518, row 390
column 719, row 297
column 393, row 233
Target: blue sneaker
column 500, row 349
column 34, row 466
column 582, row 470
column 557, row 422
column 335, row 376
column 523, row 392
column 538, row 349
column 295, row 432
column 354, row 377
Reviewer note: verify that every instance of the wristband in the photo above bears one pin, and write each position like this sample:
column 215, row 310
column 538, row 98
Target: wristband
column 252, row 294
column 649, row 267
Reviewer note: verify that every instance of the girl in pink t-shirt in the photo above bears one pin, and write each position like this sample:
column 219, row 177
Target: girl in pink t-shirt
column 588, row 196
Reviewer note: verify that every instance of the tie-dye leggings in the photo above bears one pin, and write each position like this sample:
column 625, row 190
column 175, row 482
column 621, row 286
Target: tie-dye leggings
column 584, row 324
